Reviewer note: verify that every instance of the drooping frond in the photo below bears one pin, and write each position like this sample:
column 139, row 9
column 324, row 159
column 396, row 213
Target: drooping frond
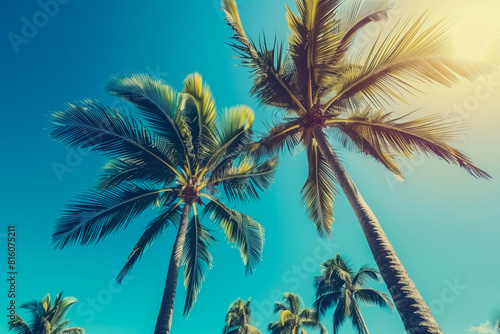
column 358, row 322
column 327, row 300
column 429, row 135
column 294, row 302
column 308, row 318
column 106, row 130
column 240, row 229
column 156, row 101
column 282, row 137
column 168, row 216
column 412, row 54
column 95, row 215
column 246, row 178
column 318, row 191
column 272, row 77
column 19, row 326
column 341, row 313
column 196, row 259
column 364, row 275
column 373, row 297
column 198, row 106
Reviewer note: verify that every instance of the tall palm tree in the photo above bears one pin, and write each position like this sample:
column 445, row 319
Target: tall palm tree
column 340, row 285
column 47, row 318
column 293, row 318
column 323, row 83
column 175, row 166
column 238, row 318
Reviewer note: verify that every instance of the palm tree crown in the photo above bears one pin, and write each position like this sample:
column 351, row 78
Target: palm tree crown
column 323, row 82
column 176, row 162
column 238, row 318
column 339, row 285
column 293, row 318
column 47, row 318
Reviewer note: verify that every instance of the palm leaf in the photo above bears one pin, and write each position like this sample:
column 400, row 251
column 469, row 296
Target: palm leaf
column 240, row 229
column 342, row 311
column 196, row 259
column 357, row 319
column 95, row 215
column 318, row 191
column 153, row 230
column 19, row 326
column 282, row 137
column 365, row 274
column 373, row 297
column 429, row 135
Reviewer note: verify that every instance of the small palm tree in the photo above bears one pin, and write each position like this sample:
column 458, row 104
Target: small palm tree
column 238, row 318
column 175, row 165
column 293, row 318
column 326, row 85
column 340, row 286
column 47, row 318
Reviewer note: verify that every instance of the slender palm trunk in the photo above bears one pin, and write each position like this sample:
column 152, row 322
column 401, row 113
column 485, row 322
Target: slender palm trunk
column 416, row 315
column 164, row 321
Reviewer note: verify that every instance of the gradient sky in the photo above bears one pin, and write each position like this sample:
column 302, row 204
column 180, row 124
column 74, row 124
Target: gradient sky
column 442, row 222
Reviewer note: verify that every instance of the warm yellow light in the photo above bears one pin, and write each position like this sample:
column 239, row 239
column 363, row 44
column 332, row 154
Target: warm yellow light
column 473, row 41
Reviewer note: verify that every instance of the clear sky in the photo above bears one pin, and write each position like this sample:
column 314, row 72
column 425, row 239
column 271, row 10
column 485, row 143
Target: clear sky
column 443, row 223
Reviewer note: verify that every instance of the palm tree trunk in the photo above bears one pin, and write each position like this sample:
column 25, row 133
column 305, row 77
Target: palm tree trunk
column 415, row 314
column 164, row 321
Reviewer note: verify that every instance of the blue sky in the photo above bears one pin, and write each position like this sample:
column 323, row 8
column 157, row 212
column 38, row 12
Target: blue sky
column 442, row 222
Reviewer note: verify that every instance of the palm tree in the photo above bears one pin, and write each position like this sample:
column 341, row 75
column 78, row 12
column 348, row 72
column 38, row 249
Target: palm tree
column 47, row 318
column 293, row 318
column 175, row 167
column 324, row 84
column 238, row 318
column 340, row 285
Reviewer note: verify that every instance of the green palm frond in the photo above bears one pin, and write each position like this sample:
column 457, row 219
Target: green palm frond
column 104, row 129
column 272, row 73
column 117, row 171
column 409, row 55
column 429, row 135
column 156, row 101
column 318, row 191
column 238, row 319
column 341, row 313
column 168, row 216
column 246, row 178
column 373, row 297
column 240, row 229
column 283, row 137
column 19, row 326
column 199, row 110
column 95, row 215
column 294, row 302
column 365, row 274
column 312, row 43
column 196, row 259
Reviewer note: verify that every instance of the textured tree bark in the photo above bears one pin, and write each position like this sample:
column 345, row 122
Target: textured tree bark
column 164, row 322
column 415, row 314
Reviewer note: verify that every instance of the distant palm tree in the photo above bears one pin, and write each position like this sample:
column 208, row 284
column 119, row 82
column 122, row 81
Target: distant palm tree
column 293, row 318
column 47, row 318
column 340, row 286
column 238, row 318
column 324, row 84
column 174, row 166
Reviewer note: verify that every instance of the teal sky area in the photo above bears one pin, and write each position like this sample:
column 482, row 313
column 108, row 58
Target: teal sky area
column 443, row 223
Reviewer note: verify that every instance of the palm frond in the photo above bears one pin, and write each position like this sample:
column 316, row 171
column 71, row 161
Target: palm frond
column 168, row 216
column 95, row 215
column 246, row 178
column 273, row 78
column 156, row 101
column 365, row 274
column 327, row 300
column 198, row 106
column 240, row 229
column 106, row 130
column 429, row 135
column 294, row 302
column 19, row 326
column 73, row 330
column 196, row 259
column 341, row 313
column 282, row 137
column 410, row 55
column 318, row 191
column 373, row 297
